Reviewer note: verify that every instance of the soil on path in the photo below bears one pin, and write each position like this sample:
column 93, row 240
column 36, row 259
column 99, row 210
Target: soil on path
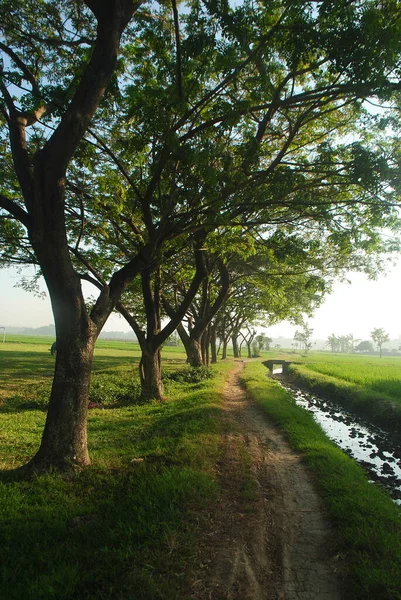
column 268, row 537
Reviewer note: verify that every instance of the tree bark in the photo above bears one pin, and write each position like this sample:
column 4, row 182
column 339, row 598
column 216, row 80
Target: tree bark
column 193, row 347
column 64, row 442
column 234, row 340
column 224, row 351
column 213, row 345
column 150, row 374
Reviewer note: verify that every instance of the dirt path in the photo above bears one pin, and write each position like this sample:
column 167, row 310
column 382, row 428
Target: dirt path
column 268, row 536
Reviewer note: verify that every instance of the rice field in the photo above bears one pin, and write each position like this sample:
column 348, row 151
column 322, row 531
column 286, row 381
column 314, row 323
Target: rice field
column 369, row 372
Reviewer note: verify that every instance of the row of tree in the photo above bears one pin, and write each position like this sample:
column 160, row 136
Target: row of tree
column 194, row 164
column 348, row 343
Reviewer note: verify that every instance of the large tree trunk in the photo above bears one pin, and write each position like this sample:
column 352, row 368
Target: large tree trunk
column 64, row 442
column 194, row 353
column 64, row 438
column 150, row 373
column 193, row 347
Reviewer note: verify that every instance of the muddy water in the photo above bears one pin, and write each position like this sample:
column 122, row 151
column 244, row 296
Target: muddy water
column 377, row 451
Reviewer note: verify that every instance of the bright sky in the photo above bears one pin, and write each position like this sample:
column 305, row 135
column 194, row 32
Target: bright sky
column 355, row 308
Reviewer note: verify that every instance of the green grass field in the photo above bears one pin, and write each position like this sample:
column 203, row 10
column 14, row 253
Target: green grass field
column 371, row 372
column 127, row 526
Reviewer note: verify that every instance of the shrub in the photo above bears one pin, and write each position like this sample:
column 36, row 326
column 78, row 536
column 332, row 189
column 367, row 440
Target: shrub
column 108, row 389
column 190, row 375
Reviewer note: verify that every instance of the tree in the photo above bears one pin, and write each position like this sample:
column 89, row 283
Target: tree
column 152, row 335
column 364, row 346
column 303, row 336
column 379, row 337
column 75, row 63
column 333, row 342
column 351, row 342
column 264, row 341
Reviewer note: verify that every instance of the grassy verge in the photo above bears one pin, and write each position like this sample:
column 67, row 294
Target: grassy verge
column 126, row 527
column 368, row 522
column 382, row 409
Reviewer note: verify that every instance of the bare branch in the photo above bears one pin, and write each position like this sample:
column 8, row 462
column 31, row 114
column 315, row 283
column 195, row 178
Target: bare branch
column 15, row 210
column 28, row 75
column 178, row 49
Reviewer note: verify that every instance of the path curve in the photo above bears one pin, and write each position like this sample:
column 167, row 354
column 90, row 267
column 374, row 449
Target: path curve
column 268, row 537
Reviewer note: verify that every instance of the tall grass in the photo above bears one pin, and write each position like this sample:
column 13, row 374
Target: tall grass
column 379, row 375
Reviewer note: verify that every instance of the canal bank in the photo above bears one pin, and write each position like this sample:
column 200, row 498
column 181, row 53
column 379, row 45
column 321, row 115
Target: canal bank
column 377, row 407
column 375, row 450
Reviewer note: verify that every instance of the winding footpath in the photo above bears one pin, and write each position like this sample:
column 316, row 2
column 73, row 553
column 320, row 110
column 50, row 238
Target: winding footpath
column 268, row 537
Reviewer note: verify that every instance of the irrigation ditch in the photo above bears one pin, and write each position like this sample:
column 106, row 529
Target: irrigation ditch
column 376, row 450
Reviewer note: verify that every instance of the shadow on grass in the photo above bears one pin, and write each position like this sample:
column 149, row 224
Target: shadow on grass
column 109, row 362
column 95, row 537
column 26, row 365
column 17, row 405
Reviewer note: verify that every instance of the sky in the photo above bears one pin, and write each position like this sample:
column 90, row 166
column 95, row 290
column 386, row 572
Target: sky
column 355, row 308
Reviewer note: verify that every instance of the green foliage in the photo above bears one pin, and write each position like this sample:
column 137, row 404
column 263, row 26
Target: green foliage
column 190, row 375
column 255, row 349
column 110, row 389
column 364, row 346
column 368, row 522
column 379, row 337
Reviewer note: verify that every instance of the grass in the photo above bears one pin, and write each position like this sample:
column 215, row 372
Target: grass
column 369, row 385
column 368, row 522
column 374, row 373
column 127, row 526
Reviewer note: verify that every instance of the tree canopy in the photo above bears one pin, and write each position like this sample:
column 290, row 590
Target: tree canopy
column 379, row 337
column 128, row 128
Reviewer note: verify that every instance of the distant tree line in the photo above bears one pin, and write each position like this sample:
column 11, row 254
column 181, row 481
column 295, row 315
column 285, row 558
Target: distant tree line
column 348, row 344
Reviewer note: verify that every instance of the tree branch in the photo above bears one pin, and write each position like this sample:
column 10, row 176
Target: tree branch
column 178, row 49
column 15, row 210
column 112, row 17
column 132, row 322
column 28, row 75
column 199, row 275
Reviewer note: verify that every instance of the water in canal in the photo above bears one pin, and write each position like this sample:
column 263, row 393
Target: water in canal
column 377, row 451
